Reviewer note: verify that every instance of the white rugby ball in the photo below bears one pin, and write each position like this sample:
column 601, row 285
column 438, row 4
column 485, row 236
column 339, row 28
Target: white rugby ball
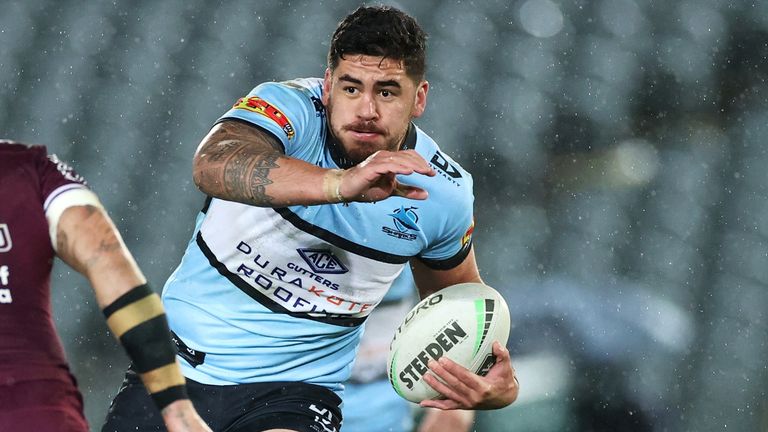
column 460, row 322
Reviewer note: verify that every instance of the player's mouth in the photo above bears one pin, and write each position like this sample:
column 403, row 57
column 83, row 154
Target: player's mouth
column 364, row 132
column 365, row 136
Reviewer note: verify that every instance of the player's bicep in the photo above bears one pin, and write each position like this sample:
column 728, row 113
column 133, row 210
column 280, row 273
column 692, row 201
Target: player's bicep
column 229, row 152
column 429, row 280
column 224, row 136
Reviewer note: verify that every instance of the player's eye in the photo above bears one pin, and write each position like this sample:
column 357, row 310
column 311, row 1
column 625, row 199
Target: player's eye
column 350, row 90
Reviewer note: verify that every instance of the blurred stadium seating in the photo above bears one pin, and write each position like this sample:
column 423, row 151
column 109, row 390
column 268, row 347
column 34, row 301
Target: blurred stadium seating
column 617, row 148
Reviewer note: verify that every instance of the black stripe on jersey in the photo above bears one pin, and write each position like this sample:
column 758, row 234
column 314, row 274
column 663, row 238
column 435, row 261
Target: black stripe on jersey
column 449, row 263
column 339, row 241
column 410, row 139
column 264, row 300
column 207, row 204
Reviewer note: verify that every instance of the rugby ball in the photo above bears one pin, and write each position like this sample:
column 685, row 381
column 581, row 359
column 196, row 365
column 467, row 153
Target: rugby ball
column 460, row 322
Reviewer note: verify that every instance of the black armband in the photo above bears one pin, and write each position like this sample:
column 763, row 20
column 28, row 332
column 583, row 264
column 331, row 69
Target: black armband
column 138, row 321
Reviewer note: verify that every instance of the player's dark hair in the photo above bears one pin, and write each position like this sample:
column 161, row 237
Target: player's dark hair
column 381, row 31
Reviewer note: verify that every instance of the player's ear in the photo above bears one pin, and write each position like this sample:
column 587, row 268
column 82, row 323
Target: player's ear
column 420, row 102
column 326, row 86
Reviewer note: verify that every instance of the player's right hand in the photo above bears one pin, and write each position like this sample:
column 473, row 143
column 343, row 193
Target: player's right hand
column 180, row 416
column 464, row 389
column 374, row 178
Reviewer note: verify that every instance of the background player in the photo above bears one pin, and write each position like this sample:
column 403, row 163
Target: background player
column 47, row 210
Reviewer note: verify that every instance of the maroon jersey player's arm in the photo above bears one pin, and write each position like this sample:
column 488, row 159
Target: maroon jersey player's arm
column 88, row 241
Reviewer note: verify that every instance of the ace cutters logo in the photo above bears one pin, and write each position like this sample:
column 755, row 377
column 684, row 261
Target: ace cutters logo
column 5, row 238
column 322, row 261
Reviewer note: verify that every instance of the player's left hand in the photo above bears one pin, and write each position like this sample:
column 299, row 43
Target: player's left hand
column 180, row 416
column 465, row 390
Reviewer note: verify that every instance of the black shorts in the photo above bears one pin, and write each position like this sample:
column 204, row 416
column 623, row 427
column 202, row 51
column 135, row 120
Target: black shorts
column 232, row 408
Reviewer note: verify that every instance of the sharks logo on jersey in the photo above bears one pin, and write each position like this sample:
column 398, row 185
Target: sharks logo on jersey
column 405, row 220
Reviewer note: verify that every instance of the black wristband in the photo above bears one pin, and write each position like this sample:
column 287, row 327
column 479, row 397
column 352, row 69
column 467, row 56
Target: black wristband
column 149, row 344
column 137, row 319
column 166, row 397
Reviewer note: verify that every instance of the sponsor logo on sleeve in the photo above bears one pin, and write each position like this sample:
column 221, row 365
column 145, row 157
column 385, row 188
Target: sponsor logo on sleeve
column 466, row 239
column 264, row 108
column 405, row 220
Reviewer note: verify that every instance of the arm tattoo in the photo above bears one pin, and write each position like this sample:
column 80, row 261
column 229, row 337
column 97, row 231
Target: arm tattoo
column 246, row 173
column 63, row 244
column 108, row 244
column 72, row 249
column 237, row 160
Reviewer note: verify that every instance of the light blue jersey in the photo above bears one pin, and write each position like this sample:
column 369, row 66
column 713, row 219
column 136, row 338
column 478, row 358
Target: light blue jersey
column 280, row 294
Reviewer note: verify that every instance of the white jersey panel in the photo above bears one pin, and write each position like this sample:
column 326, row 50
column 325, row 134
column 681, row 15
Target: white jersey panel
column 299, row 272
column 244, row 341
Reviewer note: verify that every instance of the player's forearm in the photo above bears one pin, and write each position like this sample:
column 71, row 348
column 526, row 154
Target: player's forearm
column 89, row 242
column 242, row 163
column 435, row 420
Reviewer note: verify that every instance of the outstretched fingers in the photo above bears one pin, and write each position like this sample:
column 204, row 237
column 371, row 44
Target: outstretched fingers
column 418, row 163
column 374, row 179
column 407, row 162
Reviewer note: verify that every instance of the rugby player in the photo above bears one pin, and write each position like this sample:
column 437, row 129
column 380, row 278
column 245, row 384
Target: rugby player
column 320, row 191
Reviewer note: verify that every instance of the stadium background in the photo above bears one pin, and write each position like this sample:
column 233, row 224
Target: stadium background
column 617, row 148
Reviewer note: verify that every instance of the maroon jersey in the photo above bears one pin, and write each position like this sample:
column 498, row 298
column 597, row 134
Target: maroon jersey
column 29, row 181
